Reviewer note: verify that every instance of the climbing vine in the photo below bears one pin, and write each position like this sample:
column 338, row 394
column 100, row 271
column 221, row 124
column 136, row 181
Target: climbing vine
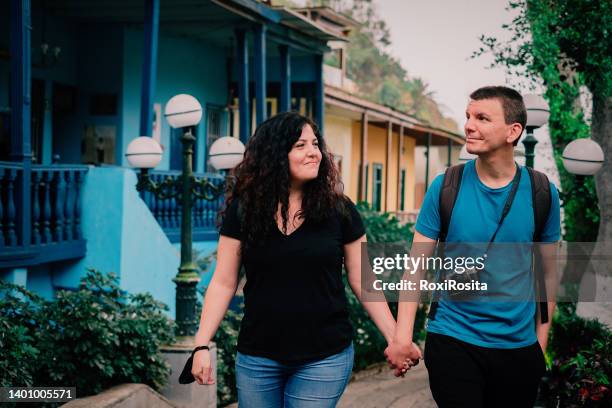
column 565, row 47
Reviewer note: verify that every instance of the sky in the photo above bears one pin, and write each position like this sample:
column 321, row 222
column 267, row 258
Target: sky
column 434, row 40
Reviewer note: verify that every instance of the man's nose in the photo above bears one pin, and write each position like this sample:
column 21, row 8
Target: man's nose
column 469, row 126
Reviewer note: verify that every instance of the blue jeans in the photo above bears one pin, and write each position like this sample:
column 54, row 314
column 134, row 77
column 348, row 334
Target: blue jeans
column 266, row 383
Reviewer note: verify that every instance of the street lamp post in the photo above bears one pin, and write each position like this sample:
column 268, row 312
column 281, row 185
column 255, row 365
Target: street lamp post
column 537, row 115
column 183, row 111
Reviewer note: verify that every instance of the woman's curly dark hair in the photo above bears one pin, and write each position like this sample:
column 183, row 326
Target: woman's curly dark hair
column 262, row 179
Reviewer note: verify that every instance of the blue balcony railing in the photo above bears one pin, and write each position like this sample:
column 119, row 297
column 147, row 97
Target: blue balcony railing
column 167, row 212
column 54, row 222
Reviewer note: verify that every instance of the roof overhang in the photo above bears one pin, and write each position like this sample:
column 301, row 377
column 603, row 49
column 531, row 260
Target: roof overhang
column 377, row 113
column 300, row 22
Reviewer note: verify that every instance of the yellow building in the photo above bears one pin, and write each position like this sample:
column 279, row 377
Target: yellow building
column 358, row 131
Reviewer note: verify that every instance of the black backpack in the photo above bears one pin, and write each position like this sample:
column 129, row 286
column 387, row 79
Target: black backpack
column 541, row 198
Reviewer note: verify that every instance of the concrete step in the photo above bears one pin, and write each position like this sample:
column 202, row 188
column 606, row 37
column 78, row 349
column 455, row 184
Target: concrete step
column 123, row 396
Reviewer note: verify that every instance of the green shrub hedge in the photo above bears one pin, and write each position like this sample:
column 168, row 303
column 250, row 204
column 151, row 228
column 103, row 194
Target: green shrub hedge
column 91, row 338
column 579, row 357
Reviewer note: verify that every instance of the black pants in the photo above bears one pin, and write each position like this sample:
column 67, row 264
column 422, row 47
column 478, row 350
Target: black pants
column 462, row 375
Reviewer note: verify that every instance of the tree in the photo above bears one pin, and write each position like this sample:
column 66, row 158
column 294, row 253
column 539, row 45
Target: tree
column 566, row 45
column 380, row 76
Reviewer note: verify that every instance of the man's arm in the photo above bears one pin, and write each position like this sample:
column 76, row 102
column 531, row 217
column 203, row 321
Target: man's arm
column 548, row 254
column 402, row 347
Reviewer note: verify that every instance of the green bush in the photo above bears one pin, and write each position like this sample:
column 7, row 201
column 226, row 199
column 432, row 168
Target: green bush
column 369, row 342
column 580, row 356
column 384, row 228
column 18, row 330
column 227, row 341
column 91, row 338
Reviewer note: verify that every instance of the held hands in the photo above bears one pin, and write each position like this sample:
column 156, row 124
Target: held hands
column 201, row 369
column 402, row 357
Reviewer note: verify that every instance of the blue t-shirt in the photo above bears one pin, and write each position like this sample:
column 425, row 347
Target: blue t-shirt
column 475, row 217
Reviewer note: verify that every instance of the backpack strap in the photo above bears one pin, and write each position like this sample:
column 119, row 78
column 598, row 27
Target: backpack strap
column 448, row 197
column 541, row 202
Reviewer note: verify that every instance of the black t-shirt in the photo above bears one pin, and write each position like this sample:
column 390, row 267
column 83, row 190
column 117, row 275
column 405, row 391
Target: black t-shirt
column 295, row 309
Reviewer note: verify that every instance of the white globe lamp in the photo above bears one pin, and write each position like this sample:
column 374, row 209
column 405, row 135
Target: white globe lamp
column 183, row 110
column 583, row 157
column 226, row 153
column 537, row 110
column 144, row 153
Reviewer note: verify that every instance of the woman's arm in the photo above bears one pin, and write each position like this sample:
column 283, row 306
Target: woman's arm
column 216, row 300
column 221, row 290
column 378, row 309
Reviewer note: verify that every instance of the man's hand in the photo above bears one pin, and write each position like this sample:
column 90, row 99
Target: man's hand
column 402, row 357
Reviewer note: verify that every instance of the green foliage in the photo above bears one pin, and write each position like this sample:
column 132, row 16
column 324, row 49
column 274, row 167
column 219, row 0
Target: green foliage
column 18, row 329
column 369, row 342
column 226, row 339
column 384, row 228
column 562, row 45
column 92, row 338
column 581, row 354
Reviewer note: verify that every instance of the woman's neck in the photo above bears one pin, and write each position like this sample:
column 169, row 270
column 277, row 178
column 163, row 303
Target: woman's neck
column 295, row 195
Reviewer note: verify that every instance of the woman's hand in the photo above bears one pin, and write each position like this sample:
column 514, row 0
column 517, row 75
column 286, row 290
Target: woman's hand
column 202, row 368
column 402, row 357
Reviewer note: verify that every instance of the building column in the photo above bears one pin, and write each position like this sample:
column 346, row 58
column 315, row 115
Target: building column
column 364, row 157
column 319, row 107
column 47, row 137
column 388, row 147
column 285, row 80
column 400, row 148
column 260, row 73
column 427, row 154
column 149, row 67
column 244, row 105
column 21, row 107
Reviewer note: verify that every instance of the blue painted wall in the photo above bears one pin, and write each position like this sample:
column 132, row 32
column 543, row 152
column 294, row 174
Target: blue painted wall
column 122, row 237
column 302, row 69
column 184, row 66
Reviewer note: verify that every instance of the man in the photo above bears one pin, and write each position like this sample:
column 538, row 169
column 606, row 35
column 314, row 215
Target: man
column 485, row 354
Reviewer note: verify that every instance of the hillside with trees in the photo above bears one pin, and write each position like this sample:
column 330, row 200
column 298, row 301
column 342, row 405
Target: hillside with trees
column 381, row 77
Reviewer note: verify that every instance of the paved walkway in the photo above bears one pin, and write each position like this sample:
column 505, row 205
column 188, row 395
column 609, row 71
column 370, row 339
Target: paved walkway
column 378, row 388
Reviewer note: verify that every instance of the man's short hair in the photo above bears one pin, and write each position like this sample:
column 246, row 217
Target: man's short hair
column 512, row 103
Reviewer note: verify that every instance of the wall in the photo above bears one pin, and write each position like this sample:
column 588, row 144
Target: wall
column 376, row 153
column 338, row 135
column 183, row 66
column 122, row 237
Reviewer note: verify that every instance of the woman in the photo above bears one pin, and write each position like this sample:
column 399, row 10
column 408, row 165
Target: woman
column 292, row 229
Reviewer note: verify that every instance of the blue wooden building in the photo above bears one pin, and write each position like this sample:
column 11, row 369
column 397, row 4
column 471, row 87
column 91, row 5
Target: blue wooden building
column 80, row 79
